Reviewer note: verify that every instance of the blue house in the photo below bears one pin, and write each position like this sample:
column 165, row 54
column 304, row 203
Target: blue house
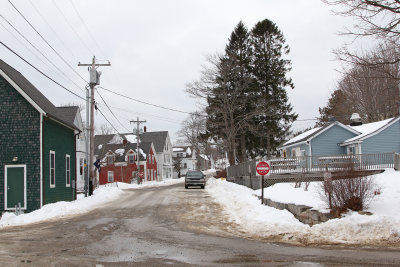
column 336, row 138
column 321, row 141
column 376, row 137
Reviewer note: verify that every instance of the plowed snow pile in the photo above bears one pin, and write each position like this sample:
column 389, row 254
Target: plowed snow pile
column 244, row 208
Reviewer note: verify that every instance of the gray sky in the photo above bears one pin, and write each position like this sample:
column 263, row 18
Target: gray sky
column 156, row 47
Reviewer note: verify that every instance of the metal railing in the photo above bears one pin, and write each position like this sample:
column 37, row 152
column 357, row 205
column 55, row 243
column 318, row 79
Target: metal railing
column 397, row 161
column 320, row 164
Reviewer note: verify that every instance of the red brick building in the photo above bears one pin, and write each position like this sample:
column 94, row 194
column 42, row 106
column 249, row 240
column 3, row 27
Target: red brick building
column 119, row 162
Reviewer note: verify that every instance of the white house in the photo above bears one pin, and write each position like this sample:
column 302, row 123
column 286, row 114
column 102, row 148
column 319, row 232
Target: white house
column 188, row 159
column 163, row 146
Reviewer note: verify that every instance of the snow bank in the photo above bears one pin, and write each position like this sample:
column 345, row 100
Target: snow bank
column 243, row 206
column 146, row 184
column 62, row 208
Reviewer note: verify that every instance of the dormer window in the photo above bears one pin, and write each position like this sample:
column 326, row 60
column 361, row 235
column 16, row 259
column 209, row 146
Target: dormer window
column 131, row 158
column 110, row 159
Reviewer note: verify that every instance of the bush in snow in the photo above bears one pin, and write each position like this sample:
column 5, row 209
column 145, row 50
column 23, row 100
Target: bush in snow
column 348, row 192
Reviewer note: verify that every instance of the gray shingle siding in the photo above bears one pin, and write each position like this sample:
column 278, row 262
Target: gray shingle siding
column 326, row 143
column 387, row 140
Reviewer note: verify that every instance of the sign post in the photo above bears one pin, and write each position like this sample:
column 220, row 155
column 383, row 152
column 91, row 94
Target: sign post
column 262, row 169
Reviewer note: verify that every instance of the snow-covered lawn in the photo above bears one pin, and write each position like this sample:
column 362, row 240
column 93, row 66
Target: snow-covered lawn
column 244, row 208
column 61, row 209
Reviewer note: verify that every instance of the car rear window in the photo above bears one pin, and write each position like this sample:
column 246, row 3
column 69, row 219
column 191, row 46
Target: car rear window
column 194, row 175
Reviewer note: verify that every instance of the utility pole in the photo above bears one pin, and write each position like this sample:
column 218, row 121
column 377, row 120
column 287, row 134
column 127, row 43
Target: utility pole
column 94, row 79
column 138, row 122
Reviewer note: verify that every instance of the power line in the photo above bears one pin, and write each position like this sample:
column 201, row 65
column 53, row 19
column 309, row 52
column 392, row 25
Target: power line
column 51, row 28
column 146, row 103
column 40, row 52
column 45, row 75
column 87, row 29
column 41, row 36
column 111, row 110
column 108, row 121
column 72, row 28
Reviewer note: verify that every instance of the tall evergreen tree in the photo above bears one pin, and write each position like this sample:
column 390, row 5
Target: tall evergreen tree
column 270, row 70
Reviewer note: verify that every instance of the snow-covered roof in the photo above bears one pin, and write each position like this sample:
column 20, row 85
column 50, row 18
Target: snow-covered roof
column 302, row 136
column 117, row 139
column 177, row 149
column 120, row 151
column 131, row 138
column 368, row 129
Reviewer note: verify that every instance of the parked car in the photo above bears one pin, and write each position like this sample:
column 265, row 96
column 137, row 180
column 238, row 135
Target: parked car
column 195, row 178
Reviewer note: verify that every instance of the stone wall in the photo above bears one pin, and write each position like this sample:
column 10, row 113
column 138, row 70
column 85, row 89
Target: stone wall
column 304, row 214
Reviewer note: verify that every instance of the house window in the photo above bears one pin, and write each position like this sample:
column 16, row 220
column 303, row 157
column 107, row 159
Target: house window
column 52, row 169
column 110, row 160
column 110, row 175
column 81, row 166
column 68, row 170
column 131, row 159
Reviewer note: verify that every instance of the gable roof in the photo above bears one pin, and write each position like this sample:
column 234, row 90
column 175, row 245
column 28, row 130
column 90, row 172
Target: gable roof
column 69, row 113
column 32, row 94
column 370, row 129
column 158, row 139
column 121, row 150
column 310, row 134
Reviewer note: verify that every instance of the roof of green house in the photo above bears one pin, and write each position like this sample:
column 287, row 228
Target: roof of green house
column 35, row 95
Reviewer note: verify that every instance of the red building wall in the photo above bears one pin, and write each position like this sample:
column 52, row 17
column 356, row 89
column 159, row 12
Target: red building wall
column 124, row 173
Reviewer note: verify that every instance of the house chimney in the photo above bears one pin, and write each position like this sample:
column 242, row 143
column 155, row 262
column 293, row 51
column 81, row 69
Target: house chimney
column 144, row 129
column 124, row 142
column 355, row 119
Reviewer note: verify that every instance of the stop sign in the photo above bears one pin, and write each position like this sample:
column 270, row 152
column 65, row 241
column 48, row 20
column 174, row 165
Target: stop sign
column 262, row 168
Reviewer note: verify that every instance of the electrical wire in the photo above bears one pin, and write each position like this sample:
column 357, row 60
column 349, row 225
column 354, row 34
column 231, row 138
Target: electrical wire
column 40, row 52
column 108, row 121
column 87, row 29
column 146, row 103
column 45, row 75
column 52, row 29
column 72, row 28
column 111, row 110
column 41, row 36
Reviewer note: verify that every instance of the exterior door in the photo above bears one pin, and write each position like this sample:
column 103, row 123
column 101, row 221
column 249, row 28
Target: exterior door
column 15, row 186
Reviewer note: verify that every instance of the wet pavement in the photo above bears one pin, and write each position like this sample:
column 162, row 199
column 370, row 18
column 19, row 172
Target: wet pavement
column 165, row 226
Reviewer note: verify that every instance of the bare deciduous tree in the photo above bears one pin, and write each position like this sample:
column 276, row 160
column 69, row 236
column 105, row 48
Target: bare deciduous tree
column 193, row 127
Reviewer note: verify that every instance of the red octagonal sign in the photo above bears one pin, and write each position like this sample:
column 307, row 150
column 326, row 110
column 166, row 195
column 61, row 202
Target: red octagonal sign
column 262, row 168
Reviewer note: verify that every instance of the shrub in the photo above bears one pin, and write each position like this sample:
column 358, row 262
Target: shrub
column 348, row 192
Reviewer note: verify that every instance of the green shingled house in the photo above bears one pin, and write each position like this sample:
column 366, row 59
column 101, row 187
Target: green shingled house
column 37, row 146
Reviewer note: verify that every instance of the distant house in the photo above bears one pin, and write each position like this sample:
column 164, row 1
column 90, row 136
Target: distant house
column 73, row 115
column 119, row 162
column 187, row 156
column 162, row 144
column 336, row 138
column 37, row 147
column 206, row 162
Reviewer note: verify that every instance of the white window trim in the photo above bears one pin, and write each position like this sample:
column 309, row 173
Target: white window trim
column 108, row 176
column 5, row 185
column 54, row 153
column 67, row 158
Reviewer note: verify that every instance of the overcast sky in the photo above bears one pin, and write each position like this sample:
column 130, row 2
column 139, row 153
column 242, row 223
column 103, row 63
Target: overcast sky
column 156, row 47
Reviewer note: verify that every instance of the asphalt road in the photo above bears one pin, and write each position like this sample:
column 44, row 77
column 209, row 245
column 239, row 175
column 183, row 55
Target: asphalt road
column 164, row 226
